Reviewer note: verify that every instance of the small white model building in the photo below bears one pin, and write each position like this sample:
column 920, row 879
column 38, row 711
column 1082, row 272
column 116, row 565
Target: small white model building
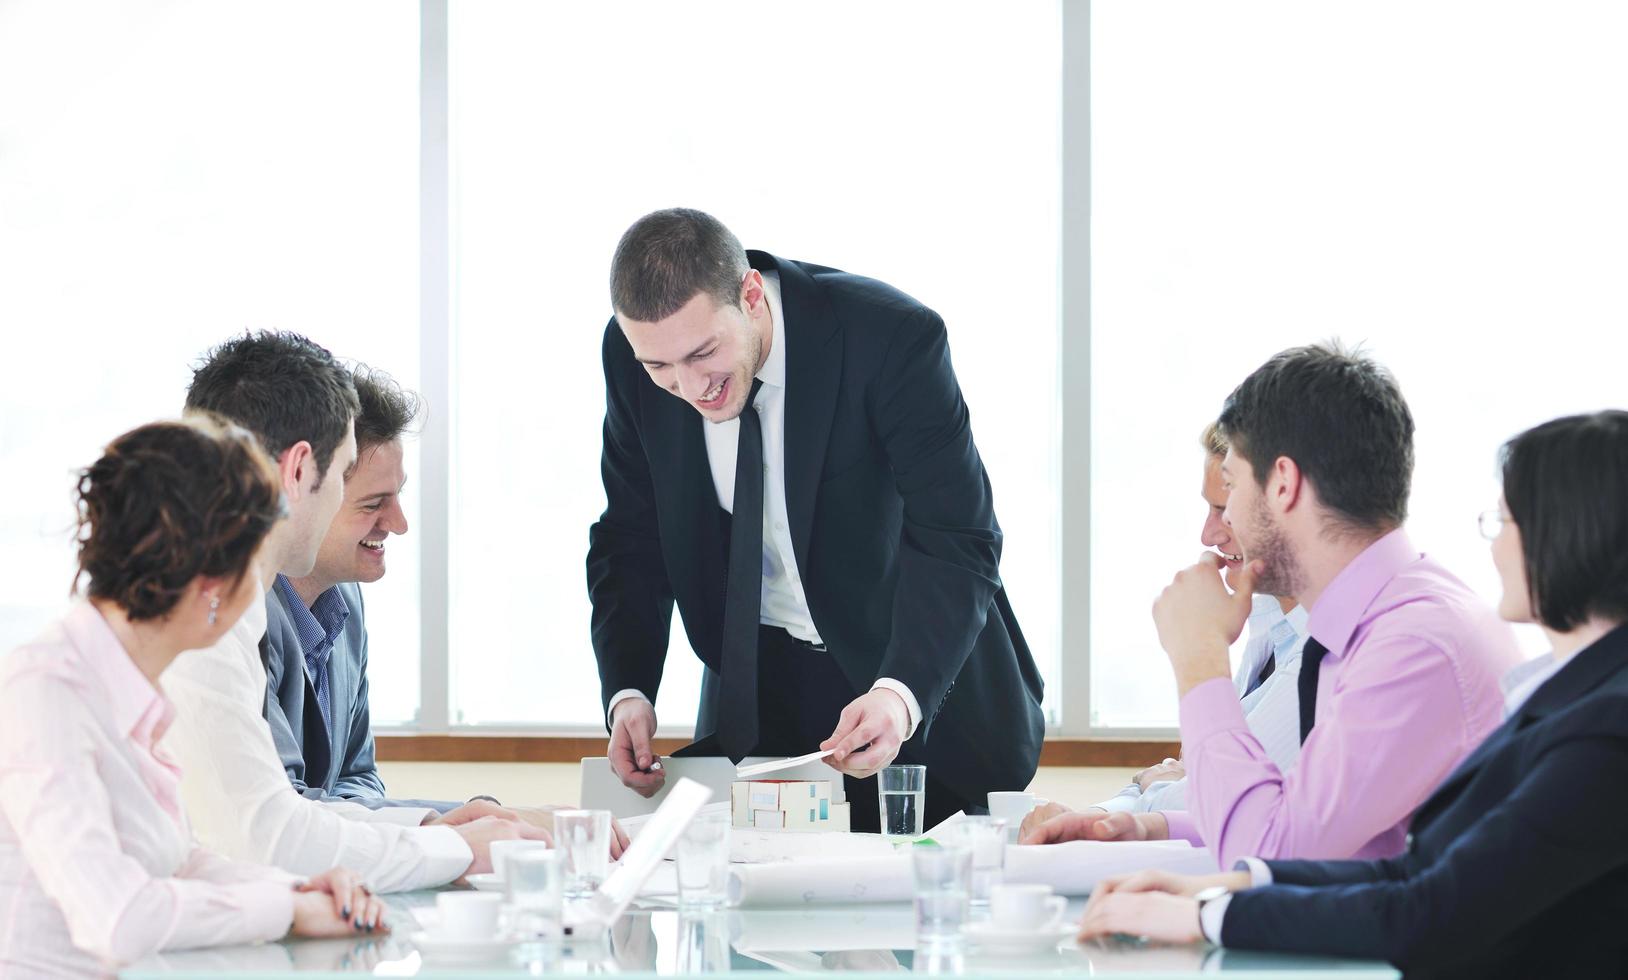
column 783, row 804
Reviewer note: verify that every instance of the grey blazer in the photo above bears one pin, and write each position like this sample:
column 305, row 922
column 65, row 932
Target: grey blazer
column 323, row 764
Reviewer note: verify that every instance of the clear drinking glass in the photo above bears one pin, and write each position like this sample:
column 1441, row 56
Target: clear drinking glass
column 703, row 861
column 985, row 837
column 703, row 942
column 534, row 881
column 583, row 838
column 943, row 879
column 903, row 802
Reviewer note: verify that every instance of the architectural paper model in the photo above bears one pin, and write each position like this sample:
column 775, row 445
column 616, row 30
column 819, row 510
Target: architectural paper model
column 784, row 804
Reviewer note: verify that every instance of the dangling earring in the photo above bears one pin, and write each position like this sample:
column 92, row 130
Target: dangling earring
column 214, row 609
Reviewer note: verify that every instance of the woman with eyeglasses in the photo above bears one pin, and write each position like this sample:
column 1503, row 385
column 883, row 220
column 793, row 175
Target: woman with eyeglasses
column 1509, row 870
column 97, row 864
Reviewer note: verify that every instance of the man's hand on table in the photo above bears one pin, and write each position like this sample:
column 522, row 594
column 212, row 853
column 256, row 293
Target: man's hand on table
column 1169, row 770
column 481, row 832
column 1155, row 904
column 1198, row 619
column 868, row 734
column 633, row 725
column 1040, row 815
column 542, row 817
column 1097, row 824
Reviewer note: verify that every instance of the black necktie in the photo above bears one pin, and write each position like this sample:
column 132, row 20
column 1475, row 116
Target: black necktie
column 1266, row 671
column 1311, row 661
column 743, row 593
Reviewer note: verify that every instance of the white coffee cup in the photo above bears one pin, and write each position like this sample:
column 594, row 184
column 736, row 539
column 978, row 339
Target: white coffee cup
column 1013, row 807
column 501, row 849
column 468, row 915
column 1026, row 907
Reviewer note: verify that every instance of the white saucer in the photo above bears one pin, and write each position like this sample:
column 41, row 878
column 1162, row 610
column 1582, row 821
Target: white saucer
column 485, row 883
column 439, row 947
column 988, row 935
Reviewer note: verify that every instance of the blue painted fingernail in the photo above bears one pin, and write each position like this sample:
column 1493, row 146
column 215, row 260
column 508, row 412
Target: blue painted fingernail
column 346, row 913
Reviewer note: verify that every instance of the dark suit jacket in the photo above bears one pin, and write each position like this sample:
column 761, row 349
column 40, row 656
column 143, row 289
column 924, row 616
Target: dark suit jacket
column 1517, row 865
column 893, row 526
column 324, row 764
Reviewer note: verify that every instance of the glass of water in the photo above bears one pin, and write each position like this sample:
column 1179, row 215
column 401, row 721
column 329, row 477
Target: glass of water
column 943, row 881
column 703, row 861
column 534, row 882
column 985, row 837
column 583, row 837
column 903, row 791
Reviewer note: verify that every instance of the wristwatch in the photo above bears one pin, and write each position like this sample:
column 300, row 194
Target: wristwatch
column 1205, row 897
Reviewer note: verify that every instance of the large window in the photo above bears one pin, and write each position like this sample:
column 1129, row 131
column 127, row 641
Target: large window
column 1441, row 181
column 1437, row 180
column 170, row 174
column 922, row 149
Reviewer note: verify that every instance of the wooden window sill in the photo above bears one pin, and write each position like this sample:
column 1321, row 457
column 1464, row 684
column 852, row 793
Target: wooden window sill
column 402, row 747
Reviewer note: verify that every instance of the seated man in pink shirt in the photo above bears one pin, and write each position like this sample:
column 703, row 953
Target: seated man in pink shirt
column 1399, row 679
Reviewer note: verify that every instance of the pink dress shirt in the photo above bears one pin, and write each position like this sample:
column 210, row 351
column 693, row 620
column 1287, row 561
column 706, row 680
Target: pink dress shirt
column 1409, row 686
column 97, row 863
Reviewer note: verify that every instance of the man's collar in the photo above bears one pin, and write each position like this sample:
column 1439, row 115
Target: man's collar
column 323, row 620
column 1341, row 606
column 773, row 371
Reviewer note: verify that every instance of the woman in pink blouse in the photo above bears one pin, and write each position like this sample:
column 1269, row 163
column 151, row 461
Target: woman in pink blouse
column 97, row 864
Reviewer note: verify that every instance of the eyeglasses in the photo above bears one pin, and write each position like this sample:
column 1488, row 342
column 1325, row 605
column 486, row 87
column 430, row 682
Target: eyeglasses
column 1491, row 523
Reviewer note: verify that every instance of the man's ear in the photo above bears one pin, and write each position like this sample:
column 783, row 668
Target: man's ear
column 752, row 296
column 1285, row 485
column 298, row 468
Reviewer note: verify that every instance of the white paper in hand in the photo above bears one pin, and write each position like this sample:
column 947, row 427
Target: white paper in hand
column 761, row 768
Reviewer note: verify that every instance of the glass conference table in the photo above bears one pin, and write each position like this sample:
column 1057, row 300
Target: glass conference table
column 658, row 941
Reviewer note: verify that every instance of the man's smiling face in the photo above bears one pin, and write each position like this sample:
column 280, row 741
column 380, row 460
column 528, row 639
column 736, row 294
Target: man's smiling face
column 354, row 549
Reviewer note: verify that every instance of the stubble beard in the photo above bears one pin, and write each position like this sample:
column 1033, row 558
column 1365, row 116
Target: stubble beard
column 1282, row 575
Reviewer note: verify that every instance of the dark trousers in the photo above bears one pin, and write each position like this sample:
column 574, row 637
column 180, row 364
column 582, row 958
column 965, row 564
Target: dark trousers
column 801, row 692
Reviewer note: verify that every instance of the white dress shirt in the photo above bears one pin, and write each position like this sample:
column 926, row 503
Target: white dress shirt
column 241, row 801
column 784, row 603
column 1272, row 709
column 97, row 863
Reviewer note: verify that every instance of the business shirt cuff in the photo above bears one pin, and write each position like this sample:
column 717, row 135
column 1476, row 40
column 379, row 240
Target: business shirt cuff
column 1123, row 802
column 403, row 816
column 1183, row 827
column 624, row 694
column 1259, row 874
column 1212, row 916
column 446, row 855
column 1209, row 709
column 912, row 707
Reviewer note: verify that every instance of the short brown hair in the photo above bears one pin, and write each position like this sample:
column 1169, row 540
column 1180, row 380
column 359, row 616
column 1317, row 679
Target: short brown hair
column 1214, row 443
column 668, row 257
column 387, row 409
column 169, row 502
column 280, row 386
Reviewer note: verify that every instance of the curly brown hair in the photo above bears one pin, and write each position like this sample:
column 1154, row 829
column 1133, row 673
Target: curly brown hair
column 168, row 502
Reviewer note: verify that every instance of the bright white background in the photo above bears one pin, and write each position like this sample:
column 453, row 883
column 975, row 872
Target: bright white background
column 171, row 173
column 916, row 142
column 1439, row 179
column 1442, row 180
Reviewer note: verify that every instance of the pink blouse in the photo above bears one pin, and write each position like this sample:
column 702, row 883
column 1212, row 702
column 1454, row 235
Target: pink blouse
column 97, row 863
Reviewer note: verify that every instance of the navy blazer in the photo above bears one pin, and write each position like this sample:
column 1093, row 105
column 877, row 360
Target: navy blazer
column 325, row 764
column 1517, row 865
column 892, row 524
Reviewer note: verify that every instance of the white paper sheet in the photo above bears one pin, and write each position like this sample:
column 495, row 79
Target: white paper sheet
column 1070, row 869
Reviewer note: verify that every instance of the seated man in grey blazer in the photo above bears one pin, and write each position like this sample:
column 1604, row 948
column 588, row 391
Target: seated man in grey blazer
column 315, row 647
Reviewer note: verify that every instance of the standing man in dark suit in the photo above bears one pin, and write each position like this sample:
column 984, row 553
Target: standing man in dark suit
column 801, row 479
